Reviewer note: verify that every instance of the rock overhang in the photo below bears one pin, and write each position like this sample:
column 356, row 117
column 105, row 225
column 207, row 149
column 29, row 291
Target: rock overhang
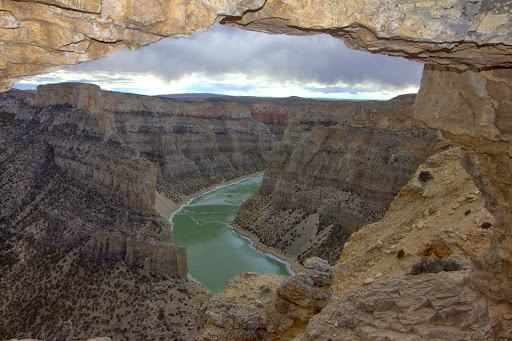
column 38, row 36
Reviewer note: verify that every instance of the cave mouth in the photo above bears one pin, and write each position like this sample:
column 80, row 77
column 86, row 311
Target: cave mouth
column 231, row 61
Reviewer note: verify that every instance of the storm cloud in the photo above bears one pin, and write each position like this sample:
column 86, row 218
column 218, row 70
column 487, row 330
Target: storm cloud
column 218, row 57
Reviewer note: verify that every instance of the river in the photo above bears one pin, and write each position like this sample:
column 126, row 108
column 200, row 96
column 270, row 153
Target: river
column 215, row 252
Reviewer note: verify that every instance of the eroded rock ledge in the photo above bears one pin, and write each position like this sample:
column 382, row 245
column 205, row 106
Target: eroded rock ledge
column 425, row 307
column 44, row 35
column 268, row 307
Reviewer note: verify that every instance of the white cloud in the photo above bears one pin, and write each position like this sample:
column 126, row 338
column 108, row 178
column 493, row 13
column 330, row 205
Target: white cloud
column 234, row 84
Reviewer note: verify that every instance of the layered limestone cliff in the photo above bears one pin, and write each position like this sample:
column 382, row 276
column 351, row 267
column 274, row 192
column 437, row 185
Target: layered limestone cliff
column 190, row 145
column 337, row 168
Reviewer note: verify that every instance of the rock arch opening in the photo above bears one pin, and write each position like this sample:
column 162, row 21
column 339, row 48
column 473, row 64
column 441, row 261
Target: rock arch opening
column 230, row 61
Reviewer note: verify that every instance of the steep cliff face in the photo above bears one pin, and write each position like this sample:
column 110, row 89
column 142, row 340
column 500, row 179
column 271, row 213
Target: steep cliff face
column 482, row 125
column 190, row 144
column 337, row 168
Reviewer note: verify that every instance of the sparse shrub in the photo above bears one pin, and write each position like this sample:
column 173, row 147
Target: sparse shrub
column 400, row 254
column 450, row 264
column 425, row 176
column 428, row 265
column 468, row 212
column 485, row 225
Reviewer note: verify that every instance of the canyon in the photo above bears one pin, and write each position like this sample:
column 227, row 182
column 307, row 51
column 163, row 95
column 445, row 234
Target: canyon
column 79, row 187
column 337, row 168
column 84, row 172
column 465, row 95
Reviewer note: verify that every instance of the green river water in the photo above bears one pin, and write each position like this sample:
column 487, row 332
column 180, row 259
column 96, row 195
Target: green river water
column 215, row 252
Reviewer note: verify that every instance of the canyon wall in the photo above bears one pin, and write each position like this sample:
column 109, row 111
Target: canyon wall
column 337, row 168
column 190, row 144
column 81, row 240
column 82, row 249
column 62, row 129
column 126, row 148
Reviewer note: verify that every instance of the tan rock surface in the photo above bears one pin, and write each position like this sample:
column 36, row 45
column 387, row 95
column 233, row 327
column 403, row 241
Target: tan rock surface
column 474, row 110
column 439, row 213
column 267, row 307
column 425, row 307
column 44, row 35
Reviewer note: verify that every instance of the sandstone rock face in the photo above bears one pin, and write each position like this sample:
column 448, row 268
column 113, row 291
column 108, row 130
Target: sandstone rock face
column 424, row 307
column 439, row 213
column 481, row 124
column 337, row 168
column 43, row 35
column 470, row 103
column 268, row 307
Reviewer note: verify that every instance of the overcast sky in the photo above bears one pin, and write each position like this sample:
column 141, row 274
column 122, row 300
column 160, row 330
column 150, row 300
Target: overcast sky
column 232, row 61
